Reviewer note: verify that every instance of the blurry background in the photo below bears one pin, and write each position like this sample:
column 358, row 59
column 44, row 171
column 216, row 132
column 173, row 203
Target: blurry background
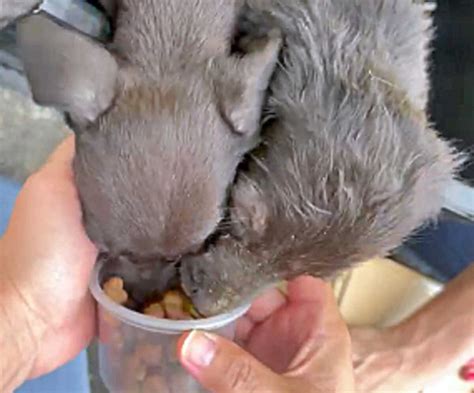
column 28, row 133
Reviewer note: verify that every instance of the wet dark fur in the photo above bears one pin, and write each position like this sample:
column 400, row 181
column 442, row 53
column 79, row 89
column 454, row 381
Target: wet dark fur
column 350, row 165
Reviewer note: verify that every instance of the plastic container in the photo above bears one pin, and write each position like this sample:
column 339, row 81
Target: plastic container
column 137, row 353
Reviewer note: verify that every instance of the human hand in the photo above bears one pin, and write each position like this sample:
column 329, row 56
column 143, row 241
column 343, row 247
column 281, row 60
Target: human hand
column 391, row 360
column 294, row 344
column 435, row 341
column 45, row 263
column 381, row 361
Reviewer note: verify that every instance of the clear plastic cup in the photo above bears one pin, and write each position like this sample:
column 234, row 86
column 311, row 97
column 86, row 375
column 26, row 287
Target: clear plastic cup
column 137, row 353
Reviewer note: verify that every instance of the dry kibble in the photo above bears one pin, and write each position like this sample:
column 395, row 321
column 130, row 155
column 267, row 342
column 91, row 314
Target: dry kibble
column 154, row 310
column 191, row 310
column 171, row 352
column 180, row 382
column 177, row 314
column 114, row 358
column 113, row 288
column 117, row 340
column 113, row 283
column 135, row 368
column 110, row 320
column 141, row 335
column 139, row 362
column 173, row 299
column 155, row 384
column 174, row 305
column 149, row 354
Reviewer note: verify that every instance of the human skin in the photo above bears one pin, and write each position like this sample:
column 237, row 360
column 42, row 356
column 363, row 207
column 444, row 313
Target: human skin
column 48, row 315
column 46, row 260
column 297, row 343
column 437, row 340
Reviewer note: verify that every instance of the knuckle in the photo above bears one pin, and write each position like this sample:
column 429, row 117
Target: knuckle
column 240, row 376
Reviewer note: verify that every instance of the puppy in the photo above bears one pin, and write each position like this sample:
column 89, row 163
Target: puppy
column 350, row 165
column 163, row 116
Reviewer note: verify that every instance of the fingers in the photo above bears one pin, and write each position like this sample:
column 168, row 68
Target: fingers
column 243, row 330
column 299, row 325
column 308, row 289
column 52, row 193
column 266, row 305
column 223, row 367
column 311, row 335
column 69, row 341
column 61, row 158
column 261, row 309
column 64, row 151
column 304, row 289
column 325, row 356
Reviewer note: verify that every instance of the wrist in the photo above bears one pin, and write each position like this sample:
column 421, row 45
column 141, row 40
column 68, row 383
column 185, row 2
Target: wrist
column 414, row 357
column 383, row 359
column 405, row 348
column 433, row 349
column 20, row 335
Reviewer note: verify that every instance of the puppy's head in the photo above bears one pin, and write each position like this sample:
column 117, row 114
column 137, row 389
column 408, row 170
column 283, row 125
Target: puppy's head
column 155, row 154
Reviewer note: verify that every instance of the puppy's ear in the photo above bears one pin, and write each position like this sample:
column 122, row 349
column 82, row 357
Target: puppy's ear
column 66, row 69
column 243, row 82
column 250, row 211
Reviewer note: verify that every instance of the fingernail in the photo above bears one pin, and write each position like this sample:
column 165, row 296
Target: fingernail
column 199, row 349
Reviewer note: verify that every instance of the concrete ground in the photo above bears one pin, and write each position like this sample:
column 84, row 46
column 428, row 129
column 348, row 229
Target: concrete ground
column 28, row 134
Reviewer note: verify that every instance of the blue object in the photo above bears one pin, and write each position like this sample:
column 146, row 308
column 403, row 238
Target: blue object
column 8, row 193
column 72, row 377
column 442, row 250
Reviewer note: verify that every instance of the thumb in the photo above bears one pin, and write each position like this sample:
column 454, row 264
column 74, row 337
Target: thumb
column 223, row 367
column 62, row 155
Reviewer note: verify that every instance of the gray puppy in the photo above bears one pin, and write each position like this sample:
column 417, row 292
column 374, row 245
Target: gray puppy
column 350, row 165
column 163, row 117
